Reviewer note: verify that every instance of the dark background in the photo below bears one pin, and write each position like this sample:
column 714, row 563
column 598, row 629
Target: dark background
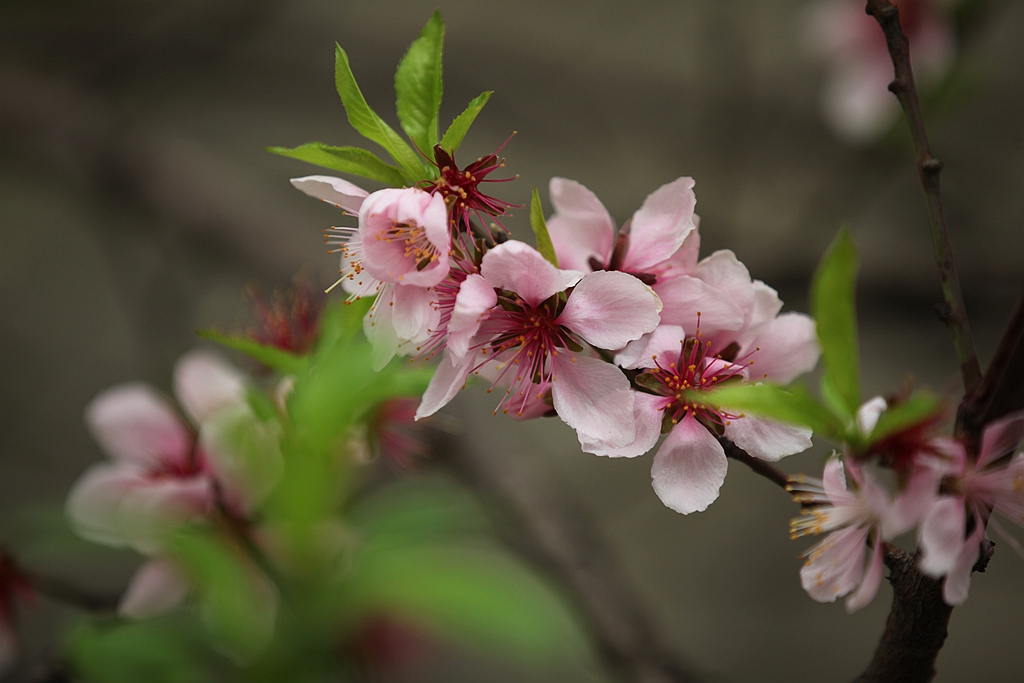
column 136, row 203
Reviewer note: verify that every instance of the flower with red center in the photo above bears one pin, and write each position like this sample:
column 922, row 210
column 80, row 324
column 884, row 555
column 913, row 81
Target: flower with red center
column 690, row 466
column 460, row 189
column 290, row 319
column 535, row 335
column 952, row 533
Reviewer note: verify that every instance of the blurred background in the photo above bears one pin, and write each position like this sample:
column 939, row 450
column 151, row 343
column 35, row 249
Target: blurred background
column 136, row 204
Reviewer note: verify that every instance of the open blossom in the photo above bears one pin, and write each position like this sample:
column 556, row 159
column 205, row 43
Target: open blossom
column 460, row 189
column 855, row 100
column 534, row 336
column 951, row 535
column 164, row 472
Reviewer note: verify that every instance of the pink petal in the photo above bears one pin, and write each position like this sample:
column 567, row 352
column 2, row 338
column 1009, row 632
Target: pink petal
column 581, row 228
column 786, row 348
column 414, row 310
column 446, row 382
column 332, row 190
column 660, row 347
column 149, row 512
column 834, row 480
column 594, row 398
column 134, row 423
column 868, row 414
column 913, row 504
column 1001, row 437
column 868, row 587
column 379, row 328
column 689, row 468
column 94, row 499
column 835, row 566
column 518, row 267
column 475, row 298
column 660, row 226
column 684, row 297
column 610, row 309
column 942, row 536
column 157, row 587
column 388, row 258
column 684, row 261
column 958, row 580
column 647, row 413
column 766, row 440
column 722, row 270
column 205, row 382
column 767, row 305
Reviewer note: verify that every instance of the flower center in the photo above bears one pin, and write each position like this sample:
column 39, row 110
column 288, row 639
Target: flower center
column 418, row 248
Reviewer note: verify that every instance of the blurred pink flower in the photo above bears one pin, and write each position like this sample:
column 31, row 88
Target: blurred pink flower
column 952, row 533
column 13, row 585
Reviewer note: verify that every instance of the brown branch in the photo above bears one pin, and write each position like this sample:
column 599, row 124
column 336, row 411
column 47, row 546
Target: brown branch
column 929, row 168
column 559, row 537
column 765, row 469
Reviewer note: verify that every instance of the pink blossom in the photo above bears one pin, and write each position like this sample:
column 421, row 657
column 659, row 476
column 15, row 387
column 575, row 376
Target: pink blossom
column 658, row 243
column 535, row 336
column 952, row 533
column 851, row 517
column 855, row 100
column 691, row 465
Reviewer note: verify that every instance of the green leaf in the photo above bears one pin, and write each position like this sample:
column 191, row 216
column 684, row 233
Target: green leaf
column 833, row 296
column 352, row 160
column 371, row 126
column 458, row 128
column 277, row 359
column 540, row 229
column 418, row 85
column 918, row 407
column 793, row 405
column 156, row 650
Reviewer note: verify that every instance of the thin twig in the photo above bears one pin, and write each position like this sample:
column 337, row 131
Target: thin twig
column 765, row 469
column 558, row 537
column 929, row 168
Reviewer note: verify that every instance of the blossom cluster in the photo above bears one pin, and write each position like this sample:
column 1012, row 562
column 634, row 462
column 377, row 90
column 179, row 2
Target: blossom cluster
column 617, row 334
column 946, row 492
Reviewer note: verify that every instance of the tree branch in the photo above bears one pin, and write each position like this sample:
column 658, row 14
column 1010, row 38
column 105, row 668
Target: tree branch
column 765, row 469
column 929, row 168
column 559, row 537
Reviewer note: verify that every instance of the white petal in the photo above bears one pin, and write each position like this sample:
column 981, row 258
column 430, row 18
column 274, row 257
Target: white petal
column 446, row 382
column 594, row 398
column 205, row 382
column 378, row 326
column 134, row 423
column 942, row 536
column 689, row 468
column 868, row 414
column 767, row 440
column 610, row 309
column 156, row 588
column 413, row 311
column 333, row 191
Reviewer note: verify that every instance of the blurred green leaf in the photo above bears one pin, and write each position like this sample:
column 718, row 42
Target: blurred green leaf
column 792, row 405
column 277, row 359
column 833, row 295
column 459, row 127
column 154, row 651
column 352, row 160
column 918, row 407
column 417, row 509
column 540, row 229
column 371, row 126
column 472, row 595
column 418, row 85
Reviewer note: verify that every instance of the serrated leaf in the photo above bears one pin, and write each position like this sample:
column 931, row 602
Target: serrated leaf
column 918, row 407
column 368, row 124
column 833, row 299
column 277, row 359
column 793, row 405
column 354, row 160
column 418, row 85
column 458, row 128
column 540, row 229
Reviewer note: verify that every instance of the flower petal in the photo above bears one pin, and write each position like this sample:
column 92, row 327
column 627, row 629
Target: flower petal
column 684, row 261
column 659, row 347
column 786, row 348
column 518, row 267
column 722, row 270
column 689, row 468
column 835, row 566
column 94, row 499
column 868, row 414
column 134, row 423
column 580, row 228
column 379, row 328
column 767, row 440
column 448, row 379
column 610, row 309
column 647, row 412
column 475, row 298
column 156, row 588
column 404, row 234
column 414, row 310
column 958, row 580
column 1001, row 437
column 868, row 587
column 684, row 297
column 594, row 398
column 333, row 191
column 205, row 382
column 660, row 226
column 941, row 536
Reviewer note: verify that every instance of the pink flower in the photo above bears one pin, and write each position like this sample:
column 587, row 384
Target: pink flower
column 164, row 473
column 952, row 533
column 835, row 566
column 535, row 336
column 856, row 101
column 658, row 243
column 691, row 465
